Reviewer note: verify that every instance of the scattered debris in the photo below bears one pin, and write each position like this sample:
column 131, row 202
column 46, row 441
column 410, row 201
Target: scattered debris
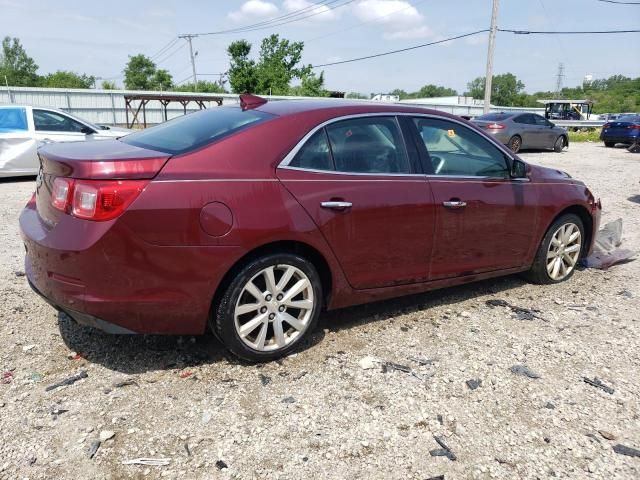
column 422, row 361
column 519, row 313
column 27, row 348
column 368, row 363
column 596, row 382
column 445, row 451
column 607, row 435
column 550, row 406
column 264, row 380
column 220, row 464
column 93, row 448
column 55, row 411
column 7, row 377
column 68, row 381
column 288, row 400
column 186, row 374
column 125, row 383
column 19, row 273
column 106, row 435
column 36, row 376
column 300, row 375
column 154, row 462
column 473, row 384
column 605, row 248
column 593, row 437
column 386, row 366
column 524, row 371
column 439, row 477
column 625, row 293
column 628, row 451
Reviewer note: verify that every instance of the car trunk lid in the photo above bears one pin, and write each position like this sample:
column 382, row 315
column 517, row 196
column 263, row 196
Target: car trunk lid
column 93, row 165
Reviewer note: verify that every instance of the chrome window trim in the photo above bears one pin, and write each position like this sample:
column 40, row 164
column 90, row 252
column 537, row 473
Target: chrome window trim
column 284, row 163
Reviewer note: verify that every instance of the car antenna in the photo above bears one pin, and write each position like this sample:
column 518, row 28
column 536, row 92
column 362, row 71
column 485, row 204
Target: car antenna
column 248, row 101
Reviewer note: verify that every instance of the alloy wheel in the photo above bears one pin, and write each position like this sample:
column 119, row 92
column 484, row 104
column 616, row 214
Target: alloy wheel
column 564, row 251
column 274, row 308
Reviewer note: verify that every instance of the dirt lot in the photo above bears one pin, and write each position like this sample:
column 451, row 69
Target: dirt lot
column 330, row 412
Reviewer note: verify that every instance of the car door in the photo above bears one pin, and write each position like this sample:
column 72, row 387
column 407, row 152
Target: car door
column 546, row 134
column 484, row 219
column 358, row 182
column 52, row 126
column 526, row 129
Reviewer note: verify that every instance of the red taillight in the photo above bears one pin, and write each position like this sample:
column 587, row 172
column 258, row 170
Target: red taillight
column 495, row 126
column 61, row 193
column 98, row 200
column 633, row 126
column 606, row 125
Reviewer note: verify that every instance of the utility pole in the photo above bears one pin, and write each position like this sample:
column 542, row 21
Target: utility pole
column 188, row 38
column 492, row 43
column 559, row 79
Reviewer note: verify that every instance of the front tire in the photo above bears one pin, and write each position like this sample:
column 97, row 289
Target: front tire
column 609, row 144
column 515, row 143
column 559, row 145
column 559, row 251
column 271, row 305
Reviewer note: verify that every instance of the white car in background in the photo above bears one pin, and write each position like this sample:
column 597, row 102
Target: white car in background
column 24, row 128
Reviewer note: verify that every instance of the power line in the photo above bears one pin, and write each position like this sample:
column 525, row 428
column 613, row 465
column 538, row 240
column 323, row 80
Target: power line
column 573, row 32
column 165, row 48
column 402, row 49
column 619, row 3
column 170, row 54
column 281, row 21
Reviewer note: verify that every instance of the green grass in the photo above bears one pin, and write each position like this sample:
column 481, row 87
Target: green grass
column 591, row 135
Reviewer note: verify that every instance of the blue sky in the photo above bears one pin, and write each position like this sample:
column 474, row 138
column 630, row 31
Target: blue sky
column 97, row 37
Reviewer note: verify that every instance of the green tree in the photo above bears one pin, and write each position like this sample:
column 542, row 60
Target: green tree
column 140, row 73
column 109, row 85
column 65, row 79
column 312, row 85
column 243, row 75
column 505, row 89
column 357, row 95
column 19, row 68
column 203, row 87
column 430, row 91
column 279, row 63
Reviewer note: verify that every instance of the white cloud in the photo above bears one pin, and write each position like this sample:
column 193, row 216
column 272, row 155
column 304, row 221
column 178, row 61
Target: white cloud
column 398, row 18
column 254, row 9
column 311, row 10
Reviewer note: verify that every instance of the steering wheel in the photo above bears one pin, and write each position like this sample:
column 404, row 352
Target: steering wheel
column 438, row 164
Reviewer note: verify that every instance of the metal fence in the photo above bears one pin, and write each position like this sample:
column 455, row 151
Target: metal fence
column 108, row 106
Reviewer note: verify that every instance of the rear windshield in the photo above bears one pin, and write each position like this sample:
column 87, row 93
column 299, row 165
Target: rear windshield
column 195, row 130
column 629, row 118
column 492, row 117
column 13, row 120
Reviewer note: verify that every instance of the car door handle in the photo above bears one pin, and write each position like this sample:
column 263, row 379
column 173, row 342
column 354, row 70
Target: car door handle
column 455, row 204
column 334, row 205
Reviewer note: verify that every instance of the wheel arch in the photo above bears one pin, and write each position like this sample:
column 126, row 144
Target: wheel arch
column 587, row 222
column 283, row 246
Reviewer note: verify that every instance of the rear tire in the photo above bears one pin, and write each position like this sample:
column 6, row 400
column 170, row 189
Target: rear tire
column 269, row 308
column 609, row 144
column 515, row 143
column 559, row 145
column 559, row 251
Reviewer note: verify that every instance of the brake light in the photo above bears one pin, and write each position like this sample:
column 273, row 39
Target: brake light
column 97, row 200
column 495, row 126
column 633, row 126
column 61, row 193
column 606, row 125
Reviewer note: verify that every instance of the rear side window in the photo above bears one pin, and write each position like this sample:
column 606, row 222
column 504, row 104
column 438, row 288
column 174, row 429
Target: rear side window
column 524, row 119
column 195, row 130
column 13, row 120
column 314, row 154
column 368, row 145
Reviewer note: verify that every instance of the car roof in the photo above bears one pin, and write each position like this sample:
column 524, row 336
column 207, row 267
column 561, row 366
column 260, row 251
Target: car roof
column 340, row 107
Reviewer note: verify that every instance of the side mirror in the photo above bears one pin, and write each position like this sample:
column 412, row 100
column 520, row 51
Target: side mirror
column 518, row 169
column 87, row 130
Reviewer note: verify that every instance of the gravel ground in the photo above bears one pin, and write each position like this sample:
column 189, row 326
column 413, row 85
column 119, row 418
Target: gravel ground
column 340, row 409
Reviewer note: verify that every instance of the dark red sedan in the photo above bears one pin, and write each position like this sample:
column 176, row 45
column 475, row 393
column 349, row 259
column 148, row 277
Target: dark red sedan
column 251, row 219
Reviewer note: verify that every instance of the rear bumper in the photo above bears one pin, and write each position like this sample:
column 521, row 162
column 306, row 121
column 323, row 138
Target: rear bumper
column 619, row 138
column 104, row 276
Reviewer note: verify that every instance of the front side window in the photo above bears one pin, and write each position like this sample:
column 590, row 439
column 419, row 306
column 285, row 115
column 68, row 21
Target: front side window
column 195, row 130
column 524, row 119
column 540, row 121
column 47, row 121
column 13, row 120
column 368, row 145
column 456, row 150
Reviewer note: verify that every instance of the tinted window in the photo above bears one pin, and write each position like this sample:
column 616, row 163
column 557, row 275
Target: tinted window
column 494, row 117
column 45, row 120
column 13, row 119
column 368, row 145
column 457, row 150
column 524, row 119
column 629, row 118
column 195, row 130
column 314, row 154
column 540, row 120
